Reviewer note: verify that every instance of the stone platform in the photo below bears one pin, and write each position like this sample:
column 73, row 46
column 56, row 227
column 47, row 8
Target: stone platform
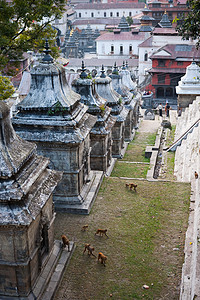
column 88, row 193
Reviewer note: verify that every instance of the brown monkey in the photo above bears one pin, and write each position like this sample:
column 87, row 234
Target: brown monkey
column 196, row 175
column 101, row 232
column 132, row 185
column 102, row 258
column 65, row 241
column 90, row 250
column 84, row 227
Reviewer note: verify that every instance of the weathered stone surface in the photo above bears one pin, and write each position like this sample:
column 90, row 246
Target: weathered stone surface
column 130, row 102
column 105, row 90
column 100, row 135
column 53, row 117
column 26, row 212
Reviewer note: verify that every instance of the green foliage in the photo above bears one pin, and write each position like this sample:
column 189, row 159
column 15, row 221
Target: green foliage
column 57, row 109
column 6, row 88
column 25, row 24
column 190, row 25
column 129, row 20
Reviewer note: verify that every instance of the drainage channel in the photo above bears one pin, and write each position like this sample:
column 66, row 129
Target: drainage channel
column 159, row 156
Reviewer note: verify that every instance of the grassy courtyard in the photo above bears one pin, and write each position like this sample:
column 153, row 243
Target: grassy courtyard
column 146, row 232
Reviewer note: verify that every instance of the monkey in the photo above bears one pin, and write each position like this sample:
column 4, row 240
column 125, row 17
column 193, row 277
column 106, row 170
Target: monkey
column 101, row 232
column 196, row 175
column 132, row 185
column 127, row 184
column 84, row 227
column 102, row 257
column 65, row 241
column 90, row 250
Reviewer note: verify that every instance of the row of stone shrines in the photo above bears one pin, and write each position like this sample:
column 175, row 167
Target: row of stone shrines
column 66, row 131
column 80, row 140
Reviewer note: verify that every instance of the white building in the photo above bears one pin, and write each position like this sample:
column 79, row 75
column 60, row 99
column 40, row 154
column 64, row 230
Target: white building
column 108, row 10
column 119, row 44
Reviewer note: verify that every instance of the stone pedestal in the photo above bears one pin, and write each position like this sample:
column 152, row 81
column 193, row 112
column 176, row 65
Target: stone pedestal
column 53, row 117
column 104, row 89
column 101, row 133
column 189, row 86
column 26, row 214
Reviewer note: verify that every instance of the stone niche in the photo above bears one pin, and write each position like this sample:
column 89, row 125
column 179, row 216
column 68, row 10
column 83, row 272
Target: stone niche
column 129, row 101
column 26, row 214
column 104, row 89
column 54, row 118
column 101, row 133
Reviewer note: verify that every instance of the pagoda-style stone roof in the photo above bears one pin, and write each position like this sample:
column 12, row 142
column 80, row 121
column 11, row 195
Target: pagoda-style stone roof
column 123, row 25
column 51, row 102
column 25, row 182
column 14, row 152
column 96, row 104
column 165, row 22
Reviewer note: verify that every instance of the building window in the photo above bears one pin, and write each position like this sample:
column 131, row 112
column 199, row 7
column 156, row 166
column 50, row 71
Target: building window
column 111, row 14
column 179, row 63
column 146, row 57
column 160, row 92
column 103, row 48
column 92, row 15
column 161, row 63
column 79, row 15
column 105, row 15
column 117, row 14
column 130, row 49
column 112, row 49
column 130, row 14
column 161, row 78
column 121, row 50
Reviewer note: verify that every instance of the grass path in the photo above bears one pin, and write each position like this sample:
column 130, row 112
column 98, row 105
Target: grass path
column 146, row 233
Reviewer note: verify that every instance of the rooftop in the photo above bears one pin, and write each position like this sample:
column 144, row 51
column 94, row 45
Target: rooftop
column 122, row 36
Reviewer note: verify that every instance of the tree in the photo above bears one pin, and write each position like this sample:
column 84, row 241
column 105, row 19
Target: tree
column 24, row 24
column 6, row 88
column 129, row 20
column 189, row 26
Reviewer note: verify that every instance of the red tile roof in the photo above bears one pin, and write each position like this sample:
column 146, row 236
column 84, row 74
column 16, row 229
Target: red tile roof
column 165, row 31
column 122, row 36
column 147, row 42
column 104, row 6
column 181, row 51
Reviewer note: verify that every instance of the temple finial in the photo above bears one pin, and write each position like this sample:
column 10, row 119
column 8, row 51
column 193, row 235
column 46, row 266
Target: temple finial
column 83, row 73
column 103, row 75
column 47, row 58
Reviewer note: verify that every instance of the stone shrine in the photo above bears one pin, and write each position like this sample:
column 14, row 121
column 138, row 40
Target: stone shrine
column 189, row 86
column 53, row 117
column 114, row 100
column 129, row 101
column 26, row 215
column 126, row 78
column 101, row 133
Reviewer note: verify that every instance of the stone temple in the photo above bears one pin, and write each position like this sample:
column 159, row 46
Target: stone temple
column 101, row 133
column 26, row 213
column 104, row 88
column 53, row 117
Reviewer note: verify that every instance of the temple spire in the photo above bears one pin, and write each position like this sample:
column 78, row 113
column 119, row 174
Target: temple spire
column 47, row 58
